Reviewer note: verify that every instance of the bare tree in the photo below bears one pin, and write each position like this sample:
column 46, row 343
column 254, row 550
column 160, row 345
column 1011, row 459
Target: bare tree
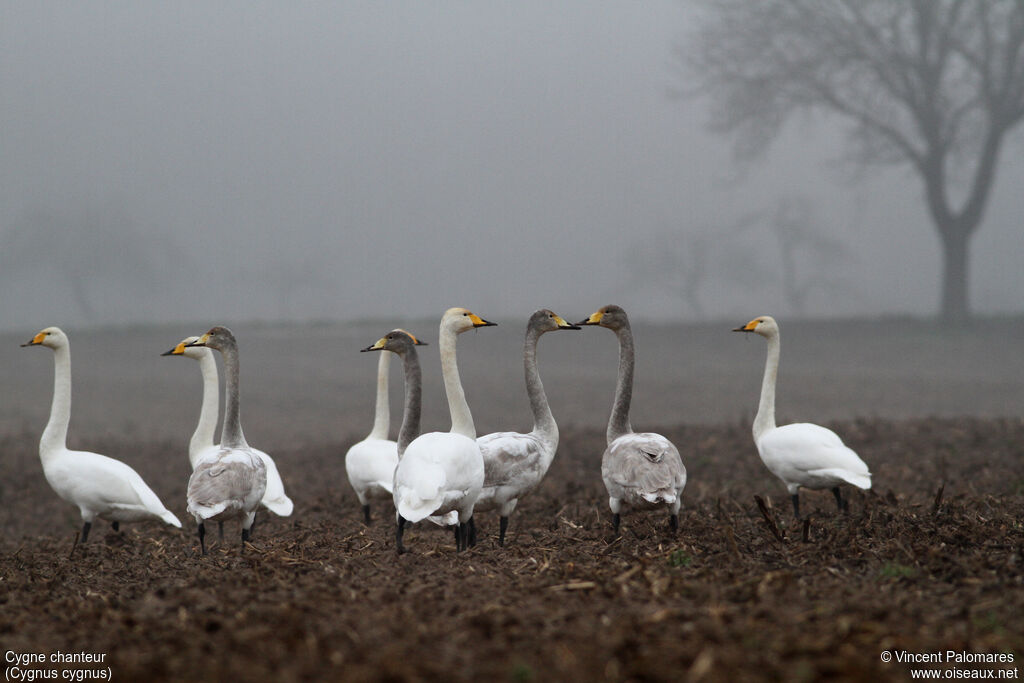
column 933, row 84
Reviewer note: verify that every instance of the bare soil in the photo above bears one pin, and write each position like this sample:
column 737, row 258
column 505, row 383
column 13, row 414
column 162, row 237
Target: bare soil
column 929, row 560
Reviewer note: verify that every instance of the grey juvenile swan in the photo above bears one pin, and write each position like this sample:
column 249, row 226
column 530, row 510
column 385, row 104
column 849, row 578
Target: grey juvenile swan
column 231, row 483
column 201, row 444
column 515, row 463
column 641, row 470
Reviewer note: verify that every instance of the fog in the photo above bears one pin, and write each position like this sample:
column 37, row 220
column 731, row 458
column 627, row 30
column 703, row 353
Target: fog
column 213, row 162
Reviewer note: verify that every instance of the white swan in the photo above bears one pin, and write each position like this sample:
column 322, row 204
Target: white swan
column 515, row 463
column 799, row 454
column 642, row 470
column 443, row 471
column 370, row 463
column 230, row 483
column 99, row 486
column 201, row 444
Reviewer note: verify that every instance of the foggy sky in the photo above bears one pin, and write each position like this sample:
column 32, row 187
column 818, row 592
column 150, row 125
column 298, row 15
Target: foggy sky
column 331, row 160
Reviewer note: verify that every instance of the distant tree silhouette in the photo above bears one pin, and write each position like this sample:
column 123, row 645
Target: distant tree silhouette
column 936, row 85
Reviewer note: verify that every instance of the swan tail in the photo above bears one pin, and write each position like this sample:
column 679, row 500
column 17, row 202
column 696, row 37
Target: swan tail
column 666, row 496
column 858, row 479
column 170, row 518
column 423, row 496
column 281, row 506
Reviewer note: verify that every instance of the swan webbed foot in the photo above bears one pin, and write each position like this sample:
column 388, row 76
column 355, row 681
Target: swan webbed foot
column 842, row 504
column 201, row 530
column 796, row 505
column 85, row 531
column 501, row 533
column 399, row 531
column 366, row 514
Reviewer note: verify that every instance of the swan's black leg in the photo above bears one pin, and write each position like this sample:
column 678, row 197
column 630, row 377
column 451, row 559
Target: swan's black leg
column 472, row 533
column 616, row 520
column 796, row 505
column 399, row 530
column 116, row 526
column 252, row 527
column 366, row 514
column 455, row 530
column 673, row 523
column 220, row 529
column 201, row 530
column 843, row 507
column 501, row 531
column 85, row 531
column 246, row 535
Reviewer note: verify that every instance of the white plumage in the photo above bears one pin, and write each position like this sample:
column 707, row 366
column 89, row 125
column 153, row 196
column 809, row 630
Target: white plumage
column 442, row 472
column 800, row 454
column 370, row 463
column 99, row 486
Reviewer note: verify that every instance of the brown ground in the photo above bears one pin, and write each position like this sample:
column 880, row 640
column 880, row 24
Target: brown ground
column 320, row 596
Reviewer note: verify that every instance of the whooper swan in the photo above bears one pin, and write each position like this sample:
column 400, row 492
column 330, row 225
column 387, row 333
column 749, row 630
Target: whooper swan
column 641, row 470
column 800, row 454
column 98, row 485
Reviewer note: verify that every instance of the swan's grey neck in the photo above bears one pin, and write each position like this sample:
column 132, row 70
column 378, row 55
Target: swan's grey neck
column 56, row 433
column 382, row 412
column 765, row 419
column 202, row 438
column 618, row 423
column 413, row 392
column 462, row 419
column 231, row 432
column 543, row 420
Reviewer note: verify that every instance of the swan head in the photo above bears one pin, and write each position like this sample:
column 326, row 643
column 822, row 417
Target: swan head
column 460, row 320
column 546, row 320
column 52, row 337
column 397, row 341
column 218, row 338
column 611, row 316
column 764, row 325
column 184, row 348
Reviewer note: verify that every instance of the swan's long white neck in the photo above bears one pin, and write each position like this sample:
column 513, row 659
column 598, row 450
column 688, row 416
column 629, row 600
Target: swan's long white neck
column 462, row 419
column 55, row 435
column 202, row 438
column 543, row 420
column 231, row 431
column 618, row 422
column 765, row 419
column 413, row 396
column 382, row 411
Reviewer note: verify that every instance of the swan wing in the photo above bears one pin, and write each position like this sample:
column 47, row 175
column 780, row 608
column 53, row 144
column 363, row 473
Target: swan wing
column 106, row 487
column 372, row 462
column 513, row 459
column 802, row 452
column 235, row 480
column 439, row 472
column 274, row 497
column 643, row 465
